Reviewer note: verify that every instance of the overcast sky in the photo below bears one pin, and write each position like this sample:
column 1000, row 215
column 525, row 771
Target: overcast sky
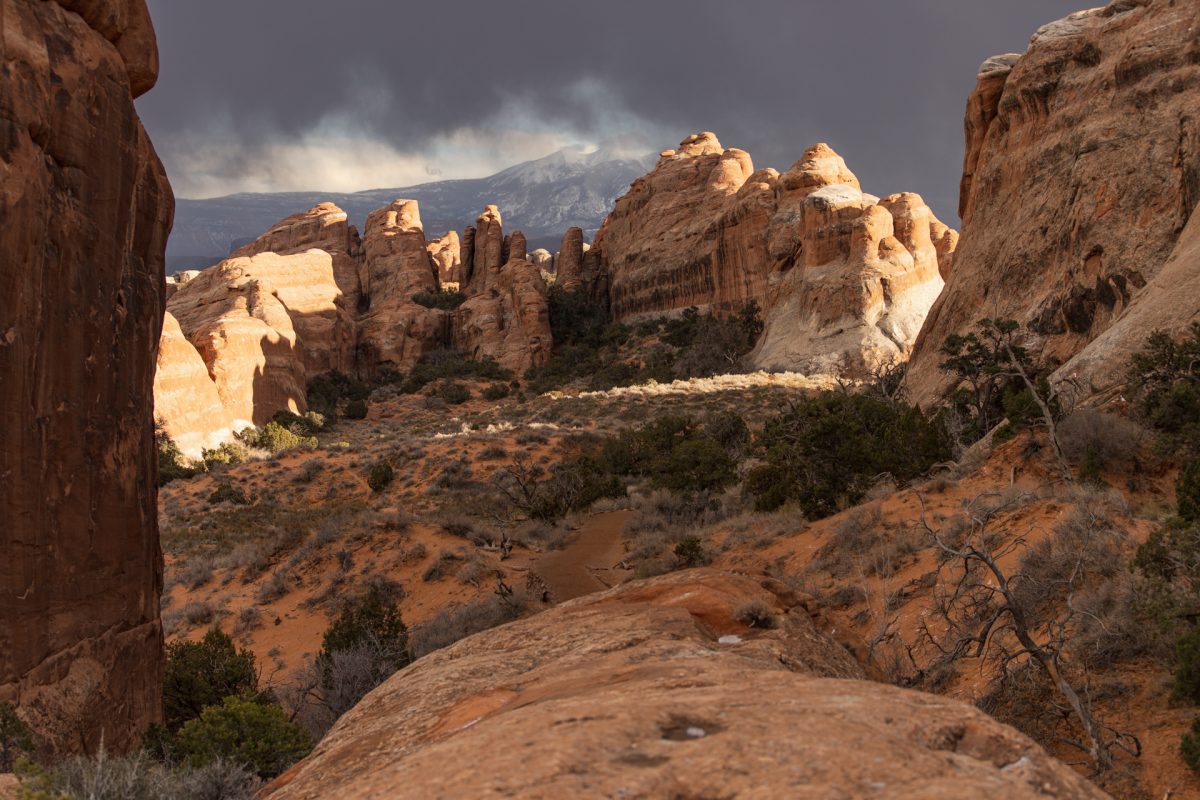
column 262, row 95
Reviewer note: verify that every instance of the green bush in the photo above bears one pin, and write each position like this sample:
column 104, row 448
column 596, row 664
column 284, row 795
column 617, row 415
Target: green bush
column 695, row 465
column 446, row 301
column 453, row 393
column 381, row 476
column 356, row 409
column 228, row 454
column 1187, row 492
column 244, row 731
column 203, row 673
column 690, row 553
column 496, row 391
column 308, row 425
column 171, row 463
column 1165, row 377
column 1186, row 684
column 228, row 493
column 275, row 438
column 449, row 365
column 15, row 740
column 988, row 387
column 327, row 390
column 1189, row 746
column 828, row 449
column 371, row 623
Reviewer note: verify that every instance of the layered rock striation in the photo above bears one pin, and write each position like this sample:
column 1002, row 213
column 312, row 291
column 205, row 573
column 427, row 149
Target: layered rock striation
column 654, row 689
column 310, row 296
column 845, row 279
column 1081, row 175
column 86, row 209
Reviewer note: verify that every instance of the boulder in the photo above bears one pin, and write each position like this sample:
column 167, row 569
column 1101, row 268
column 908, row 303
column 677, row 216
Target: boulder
column 86, row 209
column 1082, row 171
column 655, row 689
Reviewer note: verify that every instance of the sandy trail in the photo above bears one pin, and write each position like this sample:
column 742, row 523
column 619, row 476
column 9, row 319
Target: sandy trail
column 589, row 563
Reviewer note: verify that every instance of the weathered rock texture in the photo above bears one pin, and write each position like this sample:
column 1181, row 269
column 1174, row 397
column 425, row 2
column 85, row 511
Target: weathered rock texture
column 845, row 279
column 186, row 401
column 1082, row 170
column 86, row 209
column 631, row 693
column 310, row 297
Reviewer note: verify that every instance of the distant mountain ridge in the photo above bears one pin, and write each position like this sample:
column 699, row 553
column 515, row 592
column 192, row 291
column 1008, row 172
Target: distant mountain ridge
column 542, row 198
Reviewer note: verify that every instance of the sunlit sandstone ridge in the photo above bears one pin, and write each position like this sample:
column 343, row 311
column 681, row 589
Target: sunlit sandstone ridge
column 86, row 209
column 312, row 296
column 845, row 279
column 1079, row 191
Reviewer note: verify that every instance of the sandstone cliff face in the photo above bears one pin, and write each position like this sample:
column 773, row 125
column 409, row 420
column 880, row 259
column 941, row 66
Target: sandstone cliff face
column 86, row 209
column 186, row 401
column 446, row 253
column 233, row 316
column 634, row 693
column 1082, row 170
column 845, row 280
column 395, row 332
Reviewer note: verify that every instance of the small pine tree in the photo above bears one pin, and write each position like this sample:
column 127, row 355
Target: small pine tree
column 202, row 674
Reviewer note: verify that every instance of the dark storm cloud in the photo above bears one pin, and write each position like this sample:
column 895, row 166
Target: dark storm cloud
column 260, row 94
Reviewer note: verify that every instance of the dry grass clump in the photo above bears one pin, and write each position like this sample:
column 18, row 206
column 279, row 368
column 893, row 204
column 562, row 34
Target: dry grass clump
column 755, row 614
column 452, row 624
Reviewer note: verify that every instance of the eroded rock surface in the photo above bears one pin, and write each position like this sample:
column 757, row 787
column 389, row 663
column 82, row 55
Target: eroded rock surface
column 654, row 689
column 844, row 279
column 1082, row 170
column 86, row 209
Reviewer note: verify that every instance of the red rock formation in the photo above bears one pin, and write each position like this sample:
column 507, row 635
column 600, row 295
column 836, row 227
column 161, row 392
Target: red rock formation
column 654, row 689
column 446, row 253
column 86, row 210
column 844, row 281
column 395, row 332
column 234, row 316
column 1082, row 168
column 186, row 401
column 505, row 316
column 568, row 264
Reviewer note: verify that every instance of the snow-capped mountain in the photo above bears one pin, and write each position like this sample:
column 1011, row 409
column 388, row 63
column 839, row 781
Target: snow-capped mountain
column 541, row 198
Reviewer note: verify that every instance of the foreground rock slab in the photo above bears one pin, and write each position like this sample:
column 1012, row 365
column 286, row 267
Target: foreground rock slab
column 655, row 689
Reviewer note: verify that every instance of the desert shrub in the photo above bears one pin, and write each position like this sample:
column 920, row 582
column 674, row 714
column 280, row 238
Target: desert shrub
column 309, row 424
column 1165, row 376
column 275, row 438
column 371, row 621
column 228, row 493
column 443, row 365
column 245, row 732
column 228, row 454
column 711, row 345
column 755, row 614
column 172, row 465
column 203, row 673
column 576, row 319
column 198, row 612
column 729, row 430
column 988, row 387
column 573, row 485
column 446, row 301
column 452, row 624
column 691, row 553
column 453, row 393
column 695, row 465
column 496, row 391
column 355, row 409
column 309, row 470
column 364, row 645
column 197, row 571
column 1189, row 746
column 273, row 588
column 828, row 449
column 327, row 390
column 15, row 739
column 380, row 476
column 1186, row 683
column 1101, row 437
column 137, row 777
column 493, row 453
column 1187, row 492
